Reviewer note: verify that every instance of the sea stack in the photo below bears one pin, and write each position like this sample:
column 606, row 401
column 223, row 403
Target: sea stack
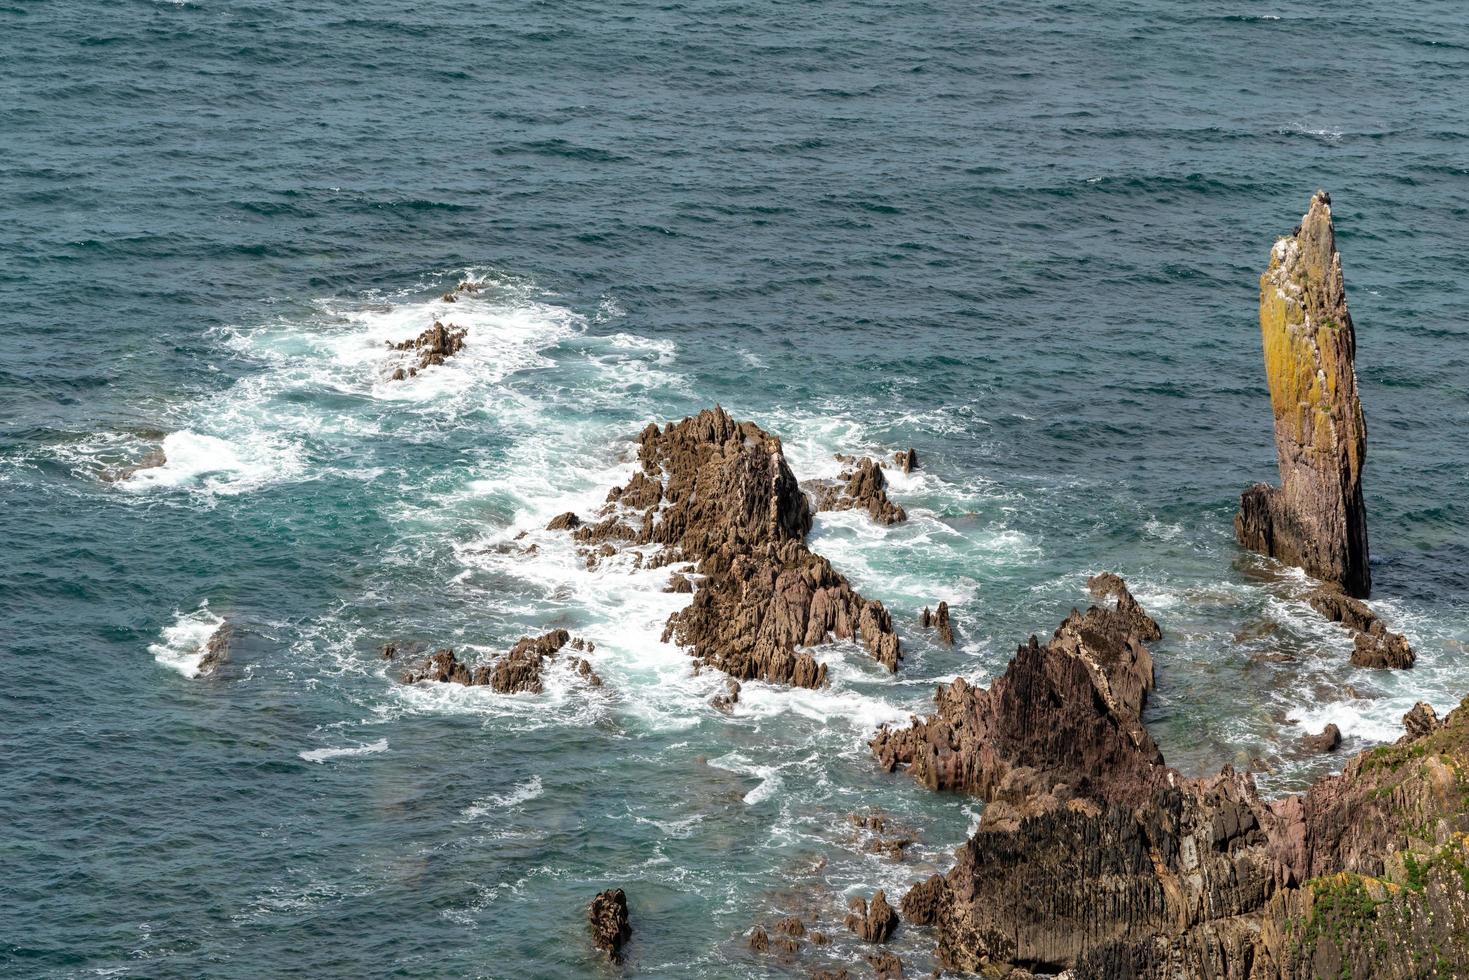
column 1315, row 519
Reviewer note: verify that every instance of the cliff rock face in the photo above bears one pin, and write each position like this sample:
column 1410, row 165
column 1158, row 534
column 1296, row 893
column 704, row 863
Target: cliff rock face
column 718, row 492
column 1315, row 519
column 1094, row 856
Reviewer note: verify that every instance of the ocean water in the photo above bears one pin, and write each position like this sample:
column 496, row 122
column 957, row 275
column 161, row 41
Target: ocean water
column 1023, row 238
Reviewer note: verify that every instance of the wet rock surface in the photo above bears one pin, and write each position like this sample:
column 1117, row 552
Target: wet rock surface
column 607, row 916
column 718, row 493
column 430, row 347
column 519, row 671
column 1326, row 740
column 1316, row 518
column 1094, row 856
column 874, row 921
column 216, row 650
column 860, row 487
column 1374, row 644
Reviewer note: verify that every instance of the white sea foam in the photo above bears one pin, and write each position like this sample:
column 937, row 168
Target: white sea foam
column 520, row 793
column 183, row 644
column 322, row 755
column 215, row 464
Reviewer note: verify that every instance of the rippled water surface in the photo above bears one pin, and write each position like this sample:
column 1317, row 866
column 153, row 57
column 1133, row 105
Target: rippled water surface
column 1023, row 238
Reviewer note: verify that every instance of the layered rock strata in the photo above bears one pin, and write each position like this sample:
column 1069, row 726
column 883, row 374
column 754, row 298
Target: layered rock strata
column 719, row 493
column 1316, row 518
column 1092, row 855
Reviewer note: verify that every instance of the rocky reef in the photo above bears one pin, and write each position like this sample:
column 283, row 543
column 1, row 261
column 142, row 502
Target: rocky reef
column 1315, row 518
column 519, row 671
column 719, row 493
column 1094, row 856
column 431, row 347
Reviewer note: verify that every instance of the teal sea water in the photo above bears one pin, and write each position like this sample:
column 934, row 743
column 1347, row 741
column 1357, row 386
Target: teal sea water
column 1023, row 238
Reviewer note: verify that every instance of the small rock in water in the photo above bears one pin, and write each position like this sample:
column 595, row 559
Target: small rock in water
column 217, row 650
column 907, row 460
column 607, row 916
column 1327, row 741
column 874, row 922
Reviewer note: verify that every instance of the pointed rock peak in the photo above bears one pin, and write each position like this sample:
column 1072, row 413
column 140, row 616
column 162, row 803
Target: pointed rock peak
column 1316, row 519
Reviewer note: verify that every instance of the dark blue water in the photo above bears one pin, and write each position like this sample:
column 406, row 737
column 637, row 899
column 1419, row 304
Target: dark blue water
column 1021, row 238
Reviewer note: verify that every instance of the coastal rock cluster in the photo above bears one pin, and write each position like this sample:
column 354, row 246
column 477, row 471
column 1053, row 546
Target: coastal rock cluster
column 431, row 347
column 1093, row 855
column 719, row 493
column 860, row 487
column 519, row 671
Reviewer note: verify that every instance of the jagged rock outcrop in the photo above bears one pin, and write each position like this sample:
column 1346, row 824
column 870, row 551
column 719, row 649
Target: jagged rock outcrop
column 1375, row 644
column 1316, row 518
column 1039, row 728
column 607, row 916
column 874, row 921
column 862, row 487
column 906, row 460
column 1092, row 855
column 432, row 346
column 518, row 671
column 719, row 493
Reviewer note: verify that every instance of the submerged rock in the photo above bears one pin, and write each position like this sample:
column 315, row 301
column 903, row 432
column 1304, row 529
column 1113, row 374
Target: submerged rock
column 1094, row 856
column 607, row 915
column 862, row 487
column 216, row 650
column 1316, row 518
column 719, row 493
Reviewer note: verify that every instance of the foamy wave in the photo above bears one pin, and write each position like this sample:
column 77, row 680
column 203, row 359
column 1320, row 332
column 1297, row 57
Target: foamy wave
column 216, row 465
column 322, row 755
column 521, row 793
column 182, row 645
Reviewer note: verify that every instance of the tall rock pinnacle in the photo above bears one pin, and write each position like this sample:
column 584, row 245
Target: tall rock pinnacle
column 1316, row 518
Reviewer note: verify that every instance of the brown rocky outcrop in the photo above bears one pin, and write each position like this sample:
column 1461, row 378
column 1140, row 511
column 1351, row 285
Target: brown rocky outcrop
column 862, row 487
column 719, row 493
column 607, row 915
column 1326, row 741
column 518, row 671
column 886, row 966
column 1063, row 718
column 906, row 460
column 1094, row 856
column 1316, row 518
column 874, row 921
column 1375, row 644
column 432, row 346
